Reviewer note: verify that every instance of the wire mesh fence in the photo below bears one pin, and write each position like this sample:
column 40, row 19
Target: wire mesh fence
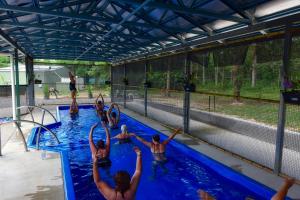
column 236, row 102
column 59, row 93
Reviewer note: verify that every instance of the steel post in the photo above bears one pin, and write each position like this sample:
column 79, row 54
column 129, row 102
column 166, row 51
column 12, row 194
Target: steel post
column 284, row 71
column 186, row 102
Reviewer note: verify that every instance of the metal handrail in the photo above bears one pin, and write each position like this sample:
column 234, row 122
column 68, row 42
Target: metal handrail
column 16, row 122
column 30, row 111
column 39, row 132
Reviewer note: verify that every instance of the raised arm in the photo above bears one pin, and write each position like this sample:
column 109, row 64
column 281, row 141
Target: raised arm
column 118, row 115
column 91, row 142
column 100, row 95
column 109, row 112
column 107, row 147
column 171, row 136
column 138, row 171
column 71, row 75
column 105, row 189
column 148, row 144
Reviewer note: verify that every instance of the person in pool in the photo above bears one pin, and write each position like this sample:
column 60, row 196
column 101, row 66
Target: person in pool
column 158, row 150
column 73, row 107
column 124, row 136
column 72, row 85
column 99, row 104
column 101, row 150
column 112, row 116
column 125, row 188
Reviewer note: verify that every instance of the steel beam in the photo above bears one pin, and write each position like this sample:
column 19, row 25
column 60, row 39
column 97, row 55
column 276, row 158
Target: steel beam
column 119, row 24
column 81, row 17
column 12, row 43
column 199, row 11
column 279, row 22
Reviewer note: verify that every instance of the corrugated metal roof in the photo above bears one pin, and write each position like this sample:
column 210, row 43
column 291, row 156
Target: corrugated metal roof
column 109, row 30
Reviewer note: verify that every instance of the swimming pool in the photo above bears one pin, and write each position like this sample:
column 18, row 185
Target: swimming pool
column 188, row 170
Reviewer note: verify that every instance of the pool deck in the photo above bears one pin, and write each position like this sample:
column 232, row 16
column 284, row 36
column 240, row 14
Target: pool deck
column 28, row 175
column 37, row 174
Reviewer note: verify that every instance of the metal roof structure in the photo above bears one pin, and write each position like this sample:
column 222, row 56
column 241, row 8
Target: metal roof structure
column 114, row 30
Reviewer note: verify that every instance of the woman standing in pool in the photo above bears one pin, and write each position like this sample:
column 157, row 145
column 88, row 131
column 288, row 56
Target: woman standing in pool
column 125, row 187
column 112, row 116
column 72, row 85
column 158, row 150
column 124, row 136
column 99, row 105
column 101, row 150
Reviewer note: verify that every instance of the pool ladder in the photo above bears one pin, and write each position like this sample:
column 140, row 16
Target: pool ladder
column 41, row 126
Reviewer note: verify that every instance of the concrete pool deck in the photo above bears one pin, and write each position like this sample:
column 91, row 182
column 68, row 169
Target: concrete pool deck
column 28, row 175
column 34, row 175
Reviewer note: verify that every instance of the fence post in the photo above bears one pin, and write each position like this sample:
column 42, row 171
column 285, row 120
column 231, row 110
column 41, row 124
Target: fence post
column 186, row 103
column 209, row 103
column 284, row 71
column 124, row 91
column 30, row 80
column 111, row 84
column 146, row 89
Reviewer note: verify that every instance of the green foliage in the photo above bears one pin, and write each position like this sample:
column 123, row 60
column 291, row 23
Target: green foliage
column 89, row 89
column 46, row 90
column 4, row 61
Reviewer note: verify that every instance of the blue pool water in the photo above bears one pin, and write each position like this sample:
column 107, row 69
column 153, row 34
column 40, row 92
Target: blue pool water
column 188, row 170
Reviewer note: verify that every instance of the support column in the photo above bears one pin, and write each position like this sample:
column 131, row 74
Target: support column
column 284, row 71
column 12, row 83
column 146, row 89
column 17, row 92
column 30, row 81
column 186, row 102
column 125, row 87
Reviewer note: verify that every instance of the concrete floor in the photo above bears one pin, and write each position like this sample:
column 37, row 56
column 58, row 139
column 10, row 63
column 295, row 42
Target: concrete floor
column 25, row 175
column 31, row 175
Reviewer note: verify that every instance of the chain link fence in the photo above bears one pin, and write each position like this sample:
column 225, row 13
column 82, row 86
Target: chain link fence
column 235, row 103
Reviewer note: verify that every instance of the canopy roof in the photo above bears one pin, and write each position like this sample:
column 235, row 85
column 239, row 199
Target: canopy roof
column 111, row 30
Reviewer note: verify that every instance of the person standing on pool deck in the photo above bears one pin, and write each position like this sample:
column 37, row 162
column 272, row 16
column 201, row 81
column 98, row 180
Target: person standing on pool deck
column 124, row 137
column 158, row 150
column 112, row 116
column 125, row 188
column 72, row 85
column 101, row 150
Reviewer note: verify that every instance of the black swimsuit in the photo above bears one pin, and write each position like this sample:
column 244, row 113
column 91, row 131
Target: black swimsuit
column 104, row 162
column 124, row 141
column 72, row 86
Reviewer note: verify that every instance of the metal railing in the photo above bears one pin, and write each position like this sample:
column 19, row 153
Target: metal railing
column 43, row 109
column 41, row 126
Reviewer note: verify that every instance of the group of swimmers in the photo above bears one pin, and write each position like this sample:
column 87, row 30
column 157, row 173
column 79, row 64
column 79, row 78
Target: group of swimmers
column 126, row 186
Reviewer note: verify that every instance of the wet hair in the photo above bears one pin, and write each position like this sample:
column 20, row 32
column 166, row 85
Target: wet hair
column 100, row 144
column 113, row 114
column 156, row 138
column 122, row 181
column 99, row 102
